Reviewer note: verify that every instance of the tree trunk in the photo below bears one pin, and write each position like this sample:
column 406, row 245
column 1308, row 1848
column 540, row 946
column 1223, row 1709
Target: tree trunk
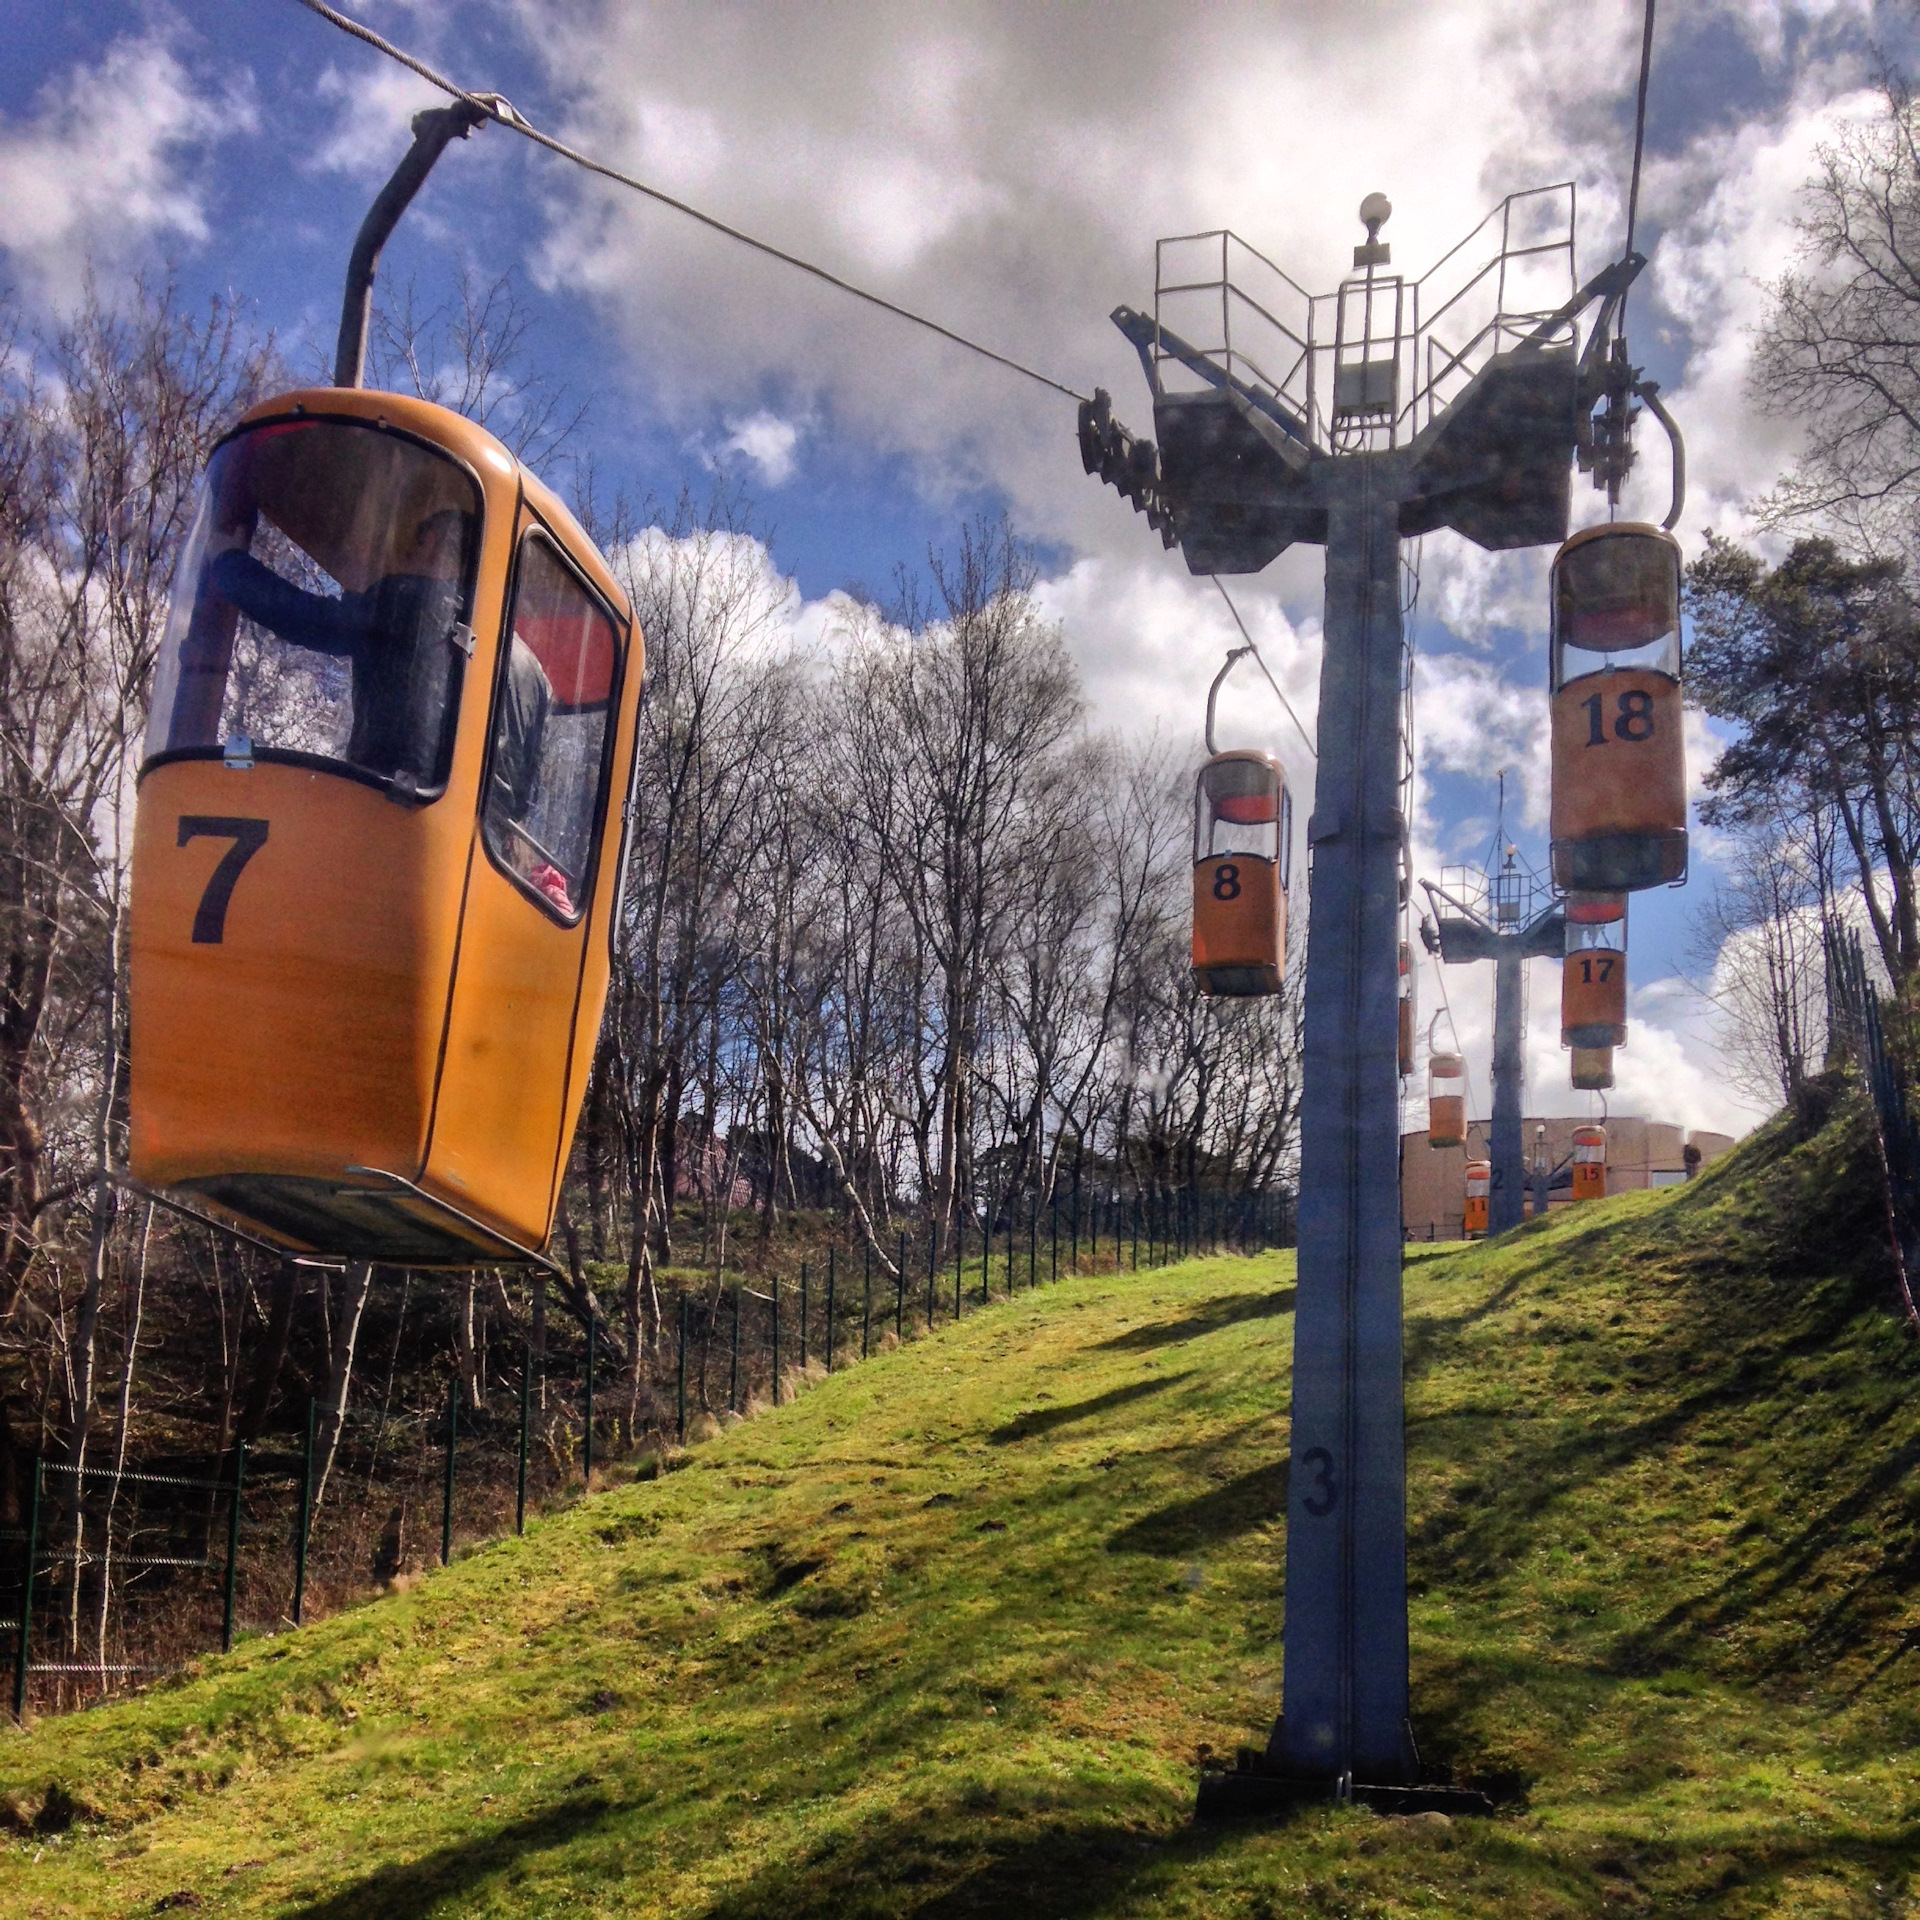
column 333, row 1404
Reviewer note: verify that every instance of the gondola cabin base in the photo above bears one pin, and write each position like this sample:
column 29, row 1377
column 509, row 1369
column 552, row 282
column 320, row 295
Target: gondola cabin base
column 1592, row 1069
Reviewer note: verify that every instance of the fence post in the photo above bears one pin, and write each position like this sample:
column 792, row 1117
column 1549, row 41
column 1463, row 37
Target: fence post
column 733, row 1365
column 233, row 1546
column 1033, row 1240
column 306, row 1520
column 900, row 1294
column 932, row 1239
column 774, row 1283
column 593, row 1353
column 1053, row 1233
column 520, row 1470
column 986, row 1254
column 446, row 1484
column 23, row 1646
column 1010, row 1224
column 959, row 1260
column 866, row 1296
column 680, row 1403
column 832, row 1267
column 803, row 1318
column 1079, row 1148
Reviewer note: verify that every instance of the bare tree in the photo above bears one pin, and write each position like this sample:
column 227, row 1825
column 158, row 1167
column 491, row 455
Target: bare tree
column 106, row 425
column 471, row 354
column 1839, row 350
column 1760, row 954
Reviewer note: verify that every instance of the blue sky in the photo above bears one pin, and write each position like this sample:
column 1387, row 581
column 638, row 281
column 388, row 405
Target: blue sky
column 1005, row 168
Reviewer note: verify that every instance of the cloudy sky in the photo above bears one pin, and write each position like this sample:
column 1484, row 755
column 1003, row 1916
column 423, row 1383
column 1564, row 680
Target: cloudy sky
column 1005, row 168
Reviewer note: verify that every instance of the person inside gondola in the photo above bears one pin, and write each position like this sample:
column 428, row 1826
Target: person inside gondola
column 398, row 636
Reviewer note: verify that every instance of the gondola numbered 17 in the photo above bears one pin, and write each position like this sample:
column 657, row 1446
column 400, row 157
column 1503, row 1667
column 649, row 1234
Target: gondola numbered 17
column 381, row 827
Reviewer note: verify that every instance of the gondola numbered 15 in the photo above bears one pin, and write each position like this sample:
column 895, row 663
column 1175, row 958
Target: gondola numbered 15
column 1619, row 806
column 380, row 837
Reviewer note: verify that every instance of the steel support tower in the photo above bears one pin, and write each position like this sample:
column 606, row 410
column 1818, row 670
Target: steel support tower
column 1356, row 420
column 1511, row 934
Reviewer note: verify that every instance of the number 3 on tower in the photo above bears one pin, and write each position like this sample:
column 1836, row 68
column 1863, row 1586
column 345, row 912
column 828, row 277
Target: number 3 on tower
column 1325, row 1490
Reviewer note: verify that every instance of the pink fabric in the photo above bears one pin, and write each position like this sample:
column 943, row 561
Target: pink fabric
column 553, row 883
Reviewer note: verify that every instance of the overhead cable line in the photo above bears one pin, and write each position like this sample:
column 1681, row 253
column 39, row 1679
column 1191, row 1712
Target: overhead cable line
column 1639, row 142
column 1254, row 648
column 499, row 109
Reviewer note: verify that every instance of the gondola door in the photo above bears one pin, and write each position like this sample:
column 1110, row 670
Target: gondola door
column 534, row 927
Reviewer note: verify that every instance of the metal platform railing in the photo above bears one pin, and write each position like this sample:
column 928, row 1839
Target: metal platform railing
column 1372, row 363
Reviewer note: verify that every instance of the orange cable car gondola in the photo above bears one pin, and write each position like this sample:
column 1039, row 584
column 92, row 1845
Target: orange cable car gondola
column 1593, row 976
column 381, row 826
column 1446, row 1100
column 1592, row 1069
column 1619, row 802
column 1243, row 834
column 1590, row 1163
column 1479, row 1188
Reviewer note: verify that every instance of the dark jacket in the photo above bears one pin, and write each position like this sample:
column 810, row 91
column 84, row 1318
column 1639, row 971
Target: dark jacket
column 398, row 636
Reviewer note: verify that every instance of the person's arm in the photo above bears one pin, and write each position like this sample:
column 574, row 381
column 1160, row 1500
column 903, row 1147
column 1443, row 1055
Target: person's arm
column 310, row 620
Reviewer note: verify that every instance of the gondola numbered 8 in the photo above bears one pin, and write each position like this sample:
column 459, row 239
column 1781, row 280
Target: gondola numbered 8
column 1243, row 836
column 379, row 836
column 1619, row 807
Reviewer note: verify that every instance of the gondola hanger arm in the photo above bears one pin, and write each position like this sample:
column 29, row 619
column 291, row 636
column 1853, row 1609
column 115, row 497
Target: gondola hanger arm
column 1213, row 692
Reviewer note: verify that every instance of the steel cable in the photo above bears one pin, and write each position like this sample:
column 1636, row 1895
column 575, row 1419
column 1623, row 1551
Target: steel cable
column 501, row 110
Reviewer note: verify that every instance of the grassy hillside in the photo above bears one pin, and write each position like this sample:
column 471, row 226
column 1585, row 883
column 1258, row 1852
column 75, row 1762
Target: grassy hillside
column 950, row 1635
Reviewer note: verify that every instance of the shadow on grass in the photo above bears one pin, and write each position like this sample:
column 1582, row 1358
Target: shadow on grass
column 979, row 1857
column 1229, row 1310
column 1255, row 1499
column 434, row 1882
column 1045, row 1419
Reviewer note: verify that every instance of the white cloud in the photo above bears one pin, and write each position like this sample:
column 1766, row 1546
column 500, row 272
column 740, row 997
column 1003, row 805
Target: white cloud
column 376, row 104
column 770, row 443
column 1007, row 171
column 105, row 166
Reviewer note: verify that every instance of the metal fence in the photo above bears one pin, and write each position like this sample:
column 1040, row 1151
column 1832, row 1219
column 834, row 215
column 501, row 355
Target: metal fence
column 1855, row 1013
column 115, row 1576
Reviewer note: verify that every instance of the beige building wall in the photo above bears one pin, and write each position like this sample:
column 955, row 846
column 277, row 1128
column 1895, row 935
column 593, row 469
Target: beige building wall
column 1640, row 1153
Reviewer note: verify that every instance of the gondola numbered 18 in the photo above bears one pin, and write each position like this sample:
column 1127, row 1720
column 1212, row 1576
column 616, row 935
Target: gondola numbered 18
column 1619, row 804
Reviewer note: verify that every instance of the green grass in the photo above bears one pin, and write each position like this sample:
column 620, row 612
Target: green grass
column 949, row 1636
